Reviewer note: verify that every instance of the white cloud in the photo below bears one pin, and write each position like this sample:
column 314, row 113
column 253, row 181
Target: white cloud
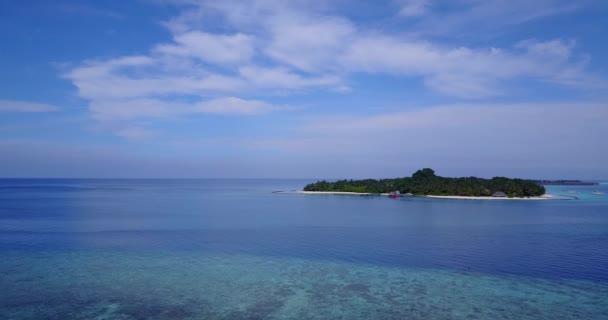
column 123, row 116
column 284, row 78
column 308, row 43
column 121, row 110
column 144, row 76
column 268, row 47
column 497, row 119
column 464, row 17
column 233, row 105
column 462, row 71
column 25, row 106
column 557, row 49
column 213, row 48
column 302, row 48
column 411, row 8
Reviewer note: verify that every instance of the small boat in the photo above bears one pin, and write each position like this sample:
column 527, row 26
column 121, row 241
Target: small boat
column 596, row 192
column 394, row 195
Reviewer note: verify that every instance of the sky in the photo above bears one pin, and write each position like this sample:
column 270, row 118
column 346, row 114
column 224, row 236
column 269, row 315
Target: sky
column 303, row 89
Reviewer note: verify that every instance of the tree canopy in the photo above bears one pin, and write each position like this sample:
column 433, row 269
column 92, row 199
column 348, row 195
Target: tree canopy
column 425, row 182
column 424, row 174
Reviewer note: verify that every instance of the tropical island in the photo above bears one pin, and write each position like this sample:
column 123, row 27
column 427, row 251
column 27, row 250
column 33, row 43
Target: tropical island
column 424, row 182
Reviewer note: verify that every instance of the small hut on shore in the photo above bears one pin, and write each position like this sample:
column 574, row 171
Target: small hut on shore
column 499, row 194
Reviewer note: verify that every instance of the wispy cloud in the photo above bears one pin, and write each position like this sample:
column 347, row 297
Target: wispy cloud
column 467, row 72
column 276, row 47
column 213, row 48
column 493, row 118
column 131, row 109
column 466, row 16
column 308, row 43
column 233, row 105
column 412, row 8
column 25, row 106
column 281, row 77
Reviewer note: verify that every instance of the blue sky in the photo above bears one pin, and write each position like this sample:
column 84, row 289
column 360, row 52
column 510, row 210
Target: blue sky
column 335, row 88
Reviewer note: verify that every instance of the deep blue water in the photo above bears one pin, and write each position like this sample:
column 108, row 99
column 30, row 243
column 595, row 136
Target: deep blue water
column 231, row 249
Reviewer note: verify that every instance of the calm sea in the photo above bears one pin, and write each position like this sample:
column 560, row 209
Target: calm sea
column 231, row 249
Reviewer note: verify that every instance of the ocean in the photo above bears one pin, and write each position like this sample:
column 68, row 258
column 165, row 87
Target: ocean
column 232, row 249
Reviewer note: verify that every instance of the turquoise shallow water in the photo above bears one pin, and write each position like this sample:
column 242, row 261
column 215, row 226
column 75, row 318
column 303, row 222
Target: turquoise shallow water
column 170, row 285
column 209, row 249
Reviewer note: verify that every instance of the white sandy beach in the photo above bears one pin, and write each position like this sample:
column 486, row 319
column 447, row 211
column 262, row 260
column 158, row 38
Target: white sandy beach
column 543, row 197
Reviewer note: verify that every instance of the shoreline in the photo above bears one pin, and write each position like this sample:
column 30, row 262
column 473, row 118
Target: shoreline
column 543, row 197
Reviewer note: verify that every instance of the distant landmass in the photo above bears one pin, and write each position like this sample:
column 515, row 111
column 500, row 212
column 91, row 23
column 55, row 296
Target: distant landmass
column 425, row 182
column 565, row 182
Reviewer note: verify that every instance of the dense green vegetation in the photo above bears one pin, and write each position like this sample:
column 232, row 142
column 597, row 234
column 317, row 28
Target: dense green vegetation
column 425, row 182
